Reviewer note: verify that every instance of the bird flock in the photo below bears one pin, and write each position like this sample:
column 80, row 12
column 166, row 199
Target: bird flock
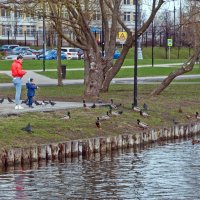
column 114, row 110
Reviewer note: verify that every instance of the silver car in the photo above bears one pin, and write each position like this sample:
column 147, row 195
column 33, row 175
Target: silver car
column 27, row 55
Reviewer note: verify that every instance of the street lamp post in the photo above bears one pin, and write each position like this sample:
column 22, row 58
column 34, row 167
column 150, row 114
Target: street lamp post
column 135, row 56
column 44, row 36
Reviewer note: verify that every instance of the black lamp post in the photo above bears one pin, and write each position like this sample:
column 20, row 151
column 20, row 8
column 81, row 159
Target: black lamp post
column 152, row 40
column 135, row 56
column 174, row 23
column 44, row 37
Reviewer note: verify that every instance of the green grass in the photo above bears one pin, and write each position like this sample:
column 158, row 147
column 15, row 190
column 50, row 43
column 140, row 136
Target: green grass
column 5, row 78
column 159, row 58
column 48, row 127
column 123, row 73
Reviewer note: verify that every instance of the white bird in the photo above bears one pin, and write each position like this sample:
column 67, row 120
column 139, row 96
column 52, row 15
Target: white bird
column 104, row 117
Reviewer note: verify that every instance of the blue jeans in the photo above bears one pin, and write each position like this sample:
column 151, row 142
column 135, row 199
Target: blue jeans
column 30, row 100
column 18, row 87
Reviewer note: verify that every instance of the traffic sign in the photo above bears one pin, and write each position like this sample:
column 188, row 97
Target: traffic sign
column 169, row 42
column 122, row 36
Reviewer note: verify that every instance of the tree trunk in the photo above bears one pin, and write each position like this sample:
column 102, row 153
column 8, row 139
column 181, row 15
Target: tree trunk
column 188, row 66
column 59, row 72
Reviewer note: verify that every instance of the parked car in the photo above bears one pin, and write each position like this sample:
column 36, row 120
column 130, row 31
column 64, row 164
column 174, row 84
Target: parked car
column 36, row 52
column 116, row 54
column 7, row 49
column 71, row 52
column 20, row 49
column 51, row 55
column 27, row 55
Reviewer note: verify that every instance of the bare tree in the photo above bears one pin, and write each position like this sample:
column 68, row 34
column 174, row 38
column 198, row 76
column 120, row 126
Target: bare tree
column 99, row 70
column 191, row 26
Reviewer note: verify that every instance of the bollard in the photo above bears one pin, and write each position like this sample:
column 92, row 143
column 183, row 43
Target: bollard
column 74, row 148
column 42, row 152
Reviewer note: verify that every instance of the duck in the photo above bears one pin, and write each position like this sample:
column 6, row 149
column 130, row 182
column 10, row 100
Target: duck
column 197, row 115
column 2, row 100
column 104, row 117
column 115, row 113
column 68, row 116
column 85, row 106
column 136, row 108
column 195, row 142
column 98, row 123
column 180, row 110
column 142, row 124
column 114, row 106
column 144, row 114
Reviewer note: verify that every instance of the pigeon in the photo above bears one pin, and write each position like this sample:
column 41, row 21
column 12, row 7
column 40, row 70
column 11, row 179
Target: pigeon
column 37, row 103
column 145, row 107
column 28, row 128
column 68, row 116
column 52, row 103
column 98, row 123
column 93, row 106
column 45, row 102
column 24, row 101
column 142, row 124
column 2, row 100
column 10, row 100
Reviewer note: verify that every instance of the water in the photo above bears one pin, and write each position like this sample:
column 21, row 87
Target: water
column 164, row 172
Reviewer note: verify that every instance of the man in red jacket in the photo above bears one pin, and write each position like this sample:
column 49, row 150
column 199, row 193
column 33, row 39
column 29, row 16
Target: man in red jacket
column 17, row 73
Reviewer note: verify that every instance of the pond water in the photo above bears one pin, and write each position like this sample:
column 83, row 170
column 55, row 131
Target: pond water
column 168, row 171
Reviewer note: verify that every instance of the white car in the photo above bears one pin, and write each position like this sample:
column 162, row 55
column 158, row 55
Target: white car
column 71, row 52
column 27, row 55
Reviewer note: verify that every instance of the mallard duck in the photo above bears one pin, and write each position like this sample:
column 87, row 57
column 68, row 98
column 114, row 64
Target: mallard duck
column 144, row 114
column 93, row 105
column 68, row 116
column 142, row 124
column 197, row 115
column 195, row 141
column 136, row 108
column 114, row 106
column 104, row 117
column 98, row 123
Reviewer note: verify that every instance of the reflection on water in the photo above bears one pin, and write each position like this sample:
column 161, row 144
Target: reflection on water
column 170, row 171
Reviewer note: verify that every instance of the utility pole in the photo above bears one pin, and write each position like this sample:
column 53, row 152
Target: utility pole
column 135, row 56
column 152, row 40
column 174, row 24
column 44, row 37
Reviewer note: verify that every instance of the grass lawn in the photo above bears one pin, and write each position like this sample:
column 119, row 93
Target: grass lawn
column 159, row 58
column 123, row 73
column 48, row 127
column 5, row 78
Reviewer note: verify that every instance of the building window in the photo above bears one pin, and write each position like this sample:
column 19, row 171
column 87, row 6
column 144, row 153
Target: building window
column 5, row 12
column 126, row 2
column 127, row 16
column 19, row 30
column 30, row 31
column 18, row 14
column 6, row 29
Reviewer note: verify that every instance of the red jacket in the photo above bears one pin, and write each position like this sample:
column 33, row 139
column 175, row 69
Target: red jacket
column 16, row 69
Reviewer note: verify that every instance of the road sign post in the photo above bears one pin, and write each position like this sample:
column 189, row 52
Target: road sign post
column 169, row 44
column 122, row 37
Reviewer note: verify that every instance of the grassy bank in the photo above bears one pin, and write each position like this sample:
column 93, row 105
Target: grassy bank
column 49, row 127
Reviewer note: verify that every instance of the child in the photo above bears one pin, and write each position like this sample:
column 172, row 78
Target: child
column 31, row 87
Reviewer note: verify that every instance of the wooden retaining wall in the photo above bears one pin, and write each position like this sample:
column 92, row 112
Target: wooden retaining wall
column 86, row 147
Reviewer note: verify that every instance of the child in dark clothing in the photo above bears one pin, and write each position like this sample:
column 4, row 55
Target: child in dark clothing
column 31, row 87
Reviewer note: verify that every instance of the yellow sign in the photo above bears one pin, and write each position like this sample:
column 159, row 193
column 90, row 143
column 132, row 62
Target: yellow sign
column 122, row 36
column 169, row 42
